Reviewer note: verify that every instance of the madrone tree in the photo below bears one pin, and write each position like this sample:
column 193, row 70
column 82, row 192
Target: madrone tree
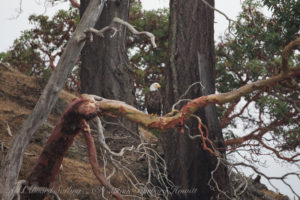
column 194, row 134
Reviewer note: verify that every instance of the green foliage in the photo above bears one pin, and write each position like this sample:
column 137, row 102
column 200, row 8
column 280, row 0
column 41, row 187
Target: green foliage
column 37, row 50
column 287, row 17
column 274, row 107
column 23, row 55
column 148, row 62
column 251, row 51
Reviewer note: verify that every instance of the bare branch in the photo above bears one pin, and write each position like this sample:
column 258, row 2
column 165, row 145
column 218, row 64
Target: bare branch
column 19, row 10
column 14, row 158
column 111, row 27
column 156, row 166
column 134, row 31
column 270, row 178
column 220, row 12
column 103, row 143
column 93, row 160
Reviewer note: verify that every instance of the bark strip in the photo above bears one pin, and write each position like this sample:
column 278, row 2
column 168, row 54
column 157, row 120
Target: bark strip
column 94, row 163
column 11, row 164
column 61, row 139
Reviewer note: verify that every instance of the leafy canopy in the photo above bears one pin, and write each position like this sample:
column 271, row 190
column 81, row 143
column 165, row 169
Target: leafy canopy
column 250, row 51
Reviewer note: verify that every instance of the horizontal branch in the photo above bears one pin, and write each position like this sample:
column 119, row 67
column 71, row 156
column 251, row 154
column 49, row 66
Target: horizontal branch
column 89, row 106
column 134, row 31
column 119, row 108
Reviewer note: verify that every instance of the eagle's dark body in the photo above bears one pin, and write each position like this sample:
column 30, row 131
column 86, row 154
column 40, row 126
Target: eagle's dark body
column 153, row 102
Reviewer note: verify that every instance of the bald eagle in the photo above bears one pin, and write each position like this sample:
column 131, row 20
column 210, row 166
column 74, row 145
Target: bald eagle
column 153, row 106
column 153, row 101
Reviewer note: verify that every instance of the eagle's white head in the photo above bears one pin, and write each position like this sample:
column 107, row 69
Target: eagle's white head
column 154, row 87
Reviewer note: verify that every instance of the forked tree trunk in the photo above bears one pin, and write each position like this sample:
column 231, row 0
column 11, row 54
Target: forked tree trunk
column 191, row 59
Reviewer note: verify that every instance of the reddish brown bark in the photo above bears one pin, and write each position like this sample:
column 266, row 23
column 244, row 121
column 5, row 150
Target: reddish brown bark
column 58, row 143
column 12, row 162
column 94, row 163
column 75, row 3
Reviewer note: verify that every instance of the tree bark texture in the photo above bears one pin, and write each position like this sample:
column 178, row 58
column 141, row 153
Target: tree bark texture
column 105, row 67
column 191, row 59
column 11, row 164
column 62, row 137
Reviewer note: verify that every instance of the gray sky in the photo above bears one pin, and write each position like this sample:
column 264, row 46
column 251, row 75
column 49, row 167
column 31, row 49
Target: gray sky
column 12, row 28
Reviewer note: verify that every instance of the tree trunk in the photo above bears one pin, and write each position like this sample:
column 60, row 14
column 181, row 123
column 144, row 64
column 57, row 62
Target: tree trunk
column 191, row 59
column 11, row 164
column 105, row 69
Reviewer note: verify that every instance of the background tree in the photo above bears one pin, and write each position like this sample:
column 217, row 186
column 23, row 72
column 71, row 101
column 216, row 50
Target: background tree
column 251, row 52
column 105, row 68
column 11, row 164
column 147, row 62
column 38, row 50
column 190, row 60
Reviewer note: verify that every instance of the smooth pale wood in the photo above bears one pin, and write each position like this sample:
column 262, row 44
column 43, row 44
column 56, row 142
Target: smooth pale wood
column 177, row 119
column 11, row 165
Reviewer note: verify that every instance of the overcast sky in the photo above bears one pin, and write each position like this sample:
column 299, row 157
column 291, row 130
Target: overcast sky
column 12, row 27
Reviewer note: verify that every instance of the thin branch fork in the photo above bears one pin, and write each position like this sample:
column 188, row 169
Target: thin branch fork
column 269, row 178
column 134, row 31
column 89, row 31
column 237, row 142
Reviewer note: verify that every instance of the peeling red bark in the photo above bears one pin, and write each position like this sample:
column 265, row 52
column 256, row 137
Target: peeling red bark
column 58, row 143
column 94, row 163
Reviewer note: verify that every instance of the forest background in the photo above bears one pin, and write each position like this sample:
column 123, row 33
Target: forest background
column 14, row 24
